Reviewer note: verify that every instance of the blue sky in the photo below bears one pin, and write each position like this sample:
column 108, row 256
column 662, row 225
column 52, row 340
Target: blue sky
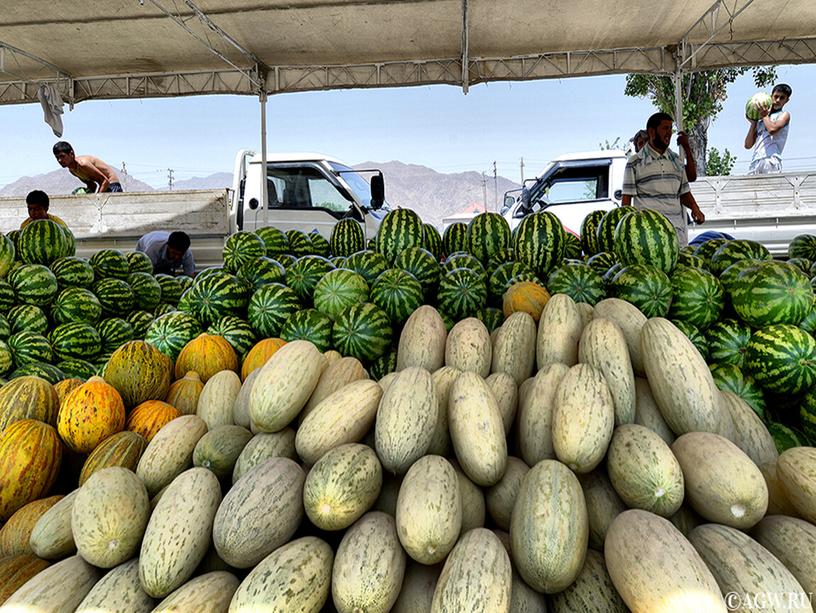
column 436, row 126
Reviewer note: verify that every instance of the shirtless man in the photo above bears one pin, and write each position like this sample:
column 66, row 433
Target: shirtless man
column 93, row 172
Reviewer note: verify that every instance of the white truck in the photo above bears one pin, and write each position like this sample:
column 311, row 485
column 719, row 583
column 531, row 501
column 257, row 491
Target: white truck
column 770, row 209
column 305, row 191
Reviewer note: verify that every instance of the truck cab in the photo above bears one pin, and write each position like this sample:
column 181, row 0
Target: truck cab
column 306, row 192
column 571, row 187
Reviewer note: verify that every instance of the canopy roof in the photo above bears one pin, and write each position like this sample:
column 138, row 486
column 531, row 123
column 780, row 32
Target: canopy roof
column 96, row 49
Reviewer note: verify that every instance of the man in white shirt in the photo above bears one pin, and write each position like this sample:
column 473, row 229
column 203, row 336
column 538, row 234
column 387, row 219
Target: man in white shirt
column 768, row 134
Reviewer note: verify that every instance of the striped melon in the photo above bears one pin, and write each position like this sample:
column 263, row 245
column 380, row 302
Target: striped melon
column 118, row 591
column 170, row 452
column 59, row 588
column 336, row 376
column 263, row 446
column 605, row 229
column 473, row 503
column 16, row 532
column 454, row 238
column 535, row 415
column 750, row 434
column 559, row 330
column 603, row 505
column 592, row 591
column 514, row 349
column 647, row 413
column 793, row 542
column 16, row 570
column 797, row 471
column 500, row 499
column 211, row 591
column 219, row 449
column 28, row 398
column 505, row 392
column 630, row 321
column 52, row 538
column 217, row 400
column 422, row 341
column 122, row 449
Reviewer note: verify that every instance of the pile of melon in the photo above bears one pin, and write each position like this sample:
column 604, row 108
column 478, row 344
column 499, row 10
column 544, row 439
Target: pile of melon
column 578, row 458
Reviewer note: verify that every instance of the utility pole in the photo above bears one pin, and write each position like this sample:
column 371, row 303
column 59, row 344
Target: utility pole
column 170, row 178
column 484, row 191
column 124, row 168
column 522, row 172
column 496, row 184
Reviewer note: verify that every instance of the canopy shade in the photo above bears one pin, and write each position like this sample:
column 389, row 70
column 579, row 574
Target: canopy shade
column 97, row 49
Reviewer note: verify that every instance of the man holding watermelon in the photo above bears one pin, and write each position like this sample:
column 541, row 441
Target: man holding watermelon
column 768, row 131
column 655, row 179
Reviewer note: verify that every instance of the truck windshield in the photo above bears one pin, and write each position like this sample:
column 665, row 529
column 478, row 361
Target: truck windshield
column 358, row 185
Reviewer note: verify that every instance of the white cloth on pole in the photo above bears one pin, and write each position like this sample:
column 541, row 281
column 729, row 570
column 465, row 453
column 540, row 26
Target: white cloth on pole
column 51, row 102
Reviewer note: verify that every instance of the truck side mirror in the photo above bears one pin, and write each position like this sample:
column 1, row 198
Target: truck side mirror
column 618, row 194
column 377, row 191
column 253, row 203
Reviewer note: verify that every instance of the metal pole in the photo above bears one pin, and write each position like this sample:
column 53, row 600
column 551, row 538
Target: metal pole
column 264, row 192
column 678, row 106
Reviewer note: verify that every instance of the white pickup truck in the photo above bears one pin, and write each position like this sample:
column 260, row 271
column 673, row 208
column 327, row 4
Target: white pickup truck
column 770, row 209
column 305, row 191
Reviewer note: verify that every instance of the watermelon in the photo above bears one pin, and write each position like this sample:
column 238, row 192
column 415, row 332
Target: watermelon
column 308, row 325
column 6, row 359
column 610, row 274
column 803, row 246
column 499, row 281
column 299, row 243
column 589, row 232
column 448, row 321
column 432, row 240
column 383, row 365
column 698, row 297
column 502, row 256
column 397, row 293
column 732, row 277
column 487, row 233
column 694, row 335
column 77, row 369
column 30, row 348
column 7, row 254
column 602, row 261
column 807, row 415
column 347, row 237
column 75, row 340
column 760, row 100
column 34, row 284
column 27, row 317
column 270, row 307
column 5, row 328
column 573, row 248
column 169, row 333
column 110, row 263
column 454, row 238
column 578, row 281
column 399, row 230
column 802, row 264
column 286, row 260
column 462, row 293
column 540, row 242
column 605, row 232
column 782, row 359
column 736, row 250
column 216, row 296
column 728, row 341
column 170, row 288
column 163, row 309
column 261, row 271
column 139, row 321
column 114, row 295
column 146, row 290
column 491, row 317
column 184, row 282
column 238, row 333
column 784, row 438
column 76, row 304
column 463, row 259
column 275, row 241
column 707, row 249
column 729, row 377
column 320, row 246
column 648, row 288
column 422, row 265
column 204, row 274
column 772, row 293
column 362, row 331
column 646, row 237
column 338, row 290
column 304, row 274
column 242, row 248
column 370, row 264
column 41, row 242
column 139, row 262
column 808, row 324
column 73, row 272
column 114, row 332
column 690, row 260
column 7, row 299
column 49, row 372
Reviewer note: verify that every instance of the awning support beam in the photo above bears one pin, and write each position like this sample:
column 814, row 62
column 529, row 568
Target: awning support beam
column 712, row 25
column 4, row 47
column 465, row 46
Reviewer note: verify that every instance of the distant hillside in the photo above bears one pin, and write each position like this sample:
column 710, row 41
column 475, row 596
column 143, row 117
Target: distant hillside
column 215, row 181
column 61, row 181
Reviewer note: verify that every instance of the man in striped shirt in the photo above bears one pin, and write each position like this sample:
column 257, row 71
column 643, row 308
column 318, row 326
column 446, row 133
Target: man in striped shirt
column 655, row 179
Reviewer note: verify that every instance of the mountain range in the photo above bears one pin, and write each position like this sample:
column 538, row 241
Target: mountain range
column 434, row 195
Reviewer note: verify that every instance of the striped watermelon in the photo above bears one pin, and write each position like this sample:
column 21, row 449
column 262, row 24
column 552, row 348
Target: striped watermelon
column 733, row 251
column 146, row 290
column 76, row 304
column 462, row 259
column 802, row 264
column 432, row 240
column 803, row 246
column 338, row 290
column 502, row 256
column 578, row 281
column 589, row 232
column 320, row 246
column 242, row 248
column 648, row 288
column 422, row 265
column 299, row 243
column 163, row 309
column 77, row 369
column 728, row 341
column 7, row 299
column 524, row 276
column 454, row 238
column 646, row 237
column 41, row 242
column 368, row 263
column 7, row 254
column 110, row 263
column 114, row 332
column 70, row 240
column 114, row 295
column 216, row 296
column 238, row 333
column 383, row 365
column 807, row 415
column 261, row 271
column 397, row 293
column 732, row 277
column 694, row 335
column 270, row 307
column 499, row 281
column 808, row 324
column 73, row 272
column 204, row 273
column 140, row 321
column 462, row 293
column 708, row 248
column 362, row 331
column 540, row 242
column 184, row 282
column 275, row 241
column 27, row 317
column 691, row 260
column 573, row 249
column 605, row 232
column 6, row 359
column 491, row 317
column 487, row 233
column 139, row 262
column 610, row 274
column 34, row 284
column 347, row 237
column 338, row 261
column 170, row 288
column 602, row 261
column 729, row 377
column 49, row 372
column 30, row 348
column 399, row 230
column 5, row 328
column 698, row 297
column 784, row 437
column 169, row 333
column 782, row 359
column 308, row 325
column 773, row 293
column 75, row 340
column 303, row 276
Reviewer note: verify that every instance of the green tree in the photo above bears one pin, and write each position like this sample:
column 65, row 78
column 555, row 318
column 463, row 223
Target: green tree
column 703, row 95
column 719, row 164
column 607, row 144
